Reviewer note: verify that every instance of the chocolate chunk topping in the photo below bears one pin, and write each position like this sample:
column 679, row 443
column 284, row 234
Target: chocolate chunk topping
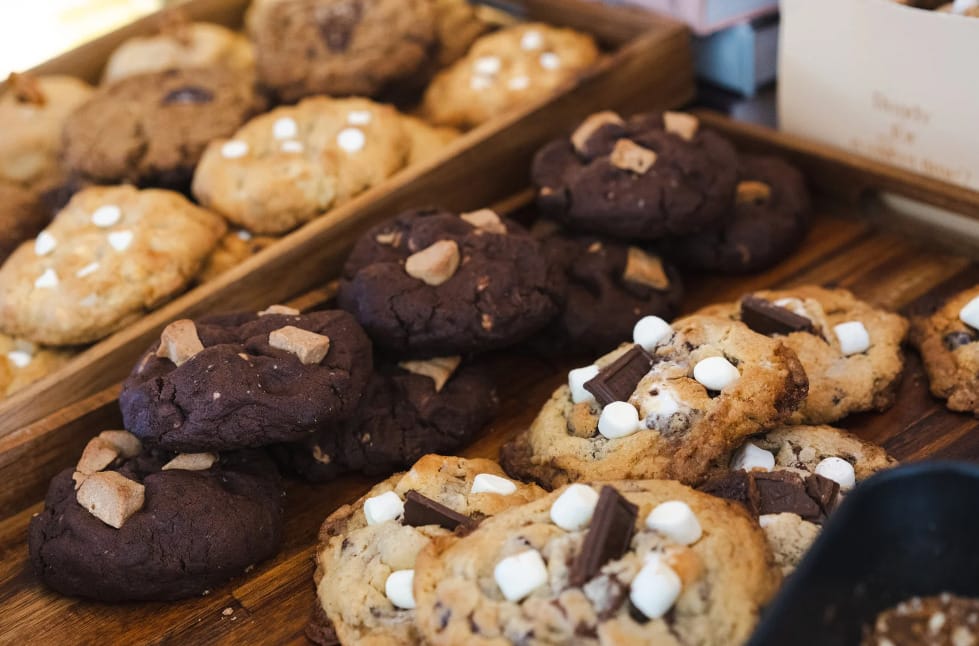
column 957, row 339
column 608, row 538
column 765, row 317
column 337, row 23
column 824, row 491
column 738, row 486
column 784, row 491
column 189, row 94
column 617, row 381
column 420, row 511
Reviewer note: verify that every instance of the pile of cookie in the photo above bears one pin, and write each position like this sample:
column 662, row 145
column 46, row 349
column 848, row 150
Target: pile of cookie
column 203, row 146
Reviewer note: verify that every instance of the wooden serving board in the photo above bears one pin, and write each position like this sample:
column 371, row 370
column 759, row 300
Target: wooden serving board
column 648, row 66
column 272, row 604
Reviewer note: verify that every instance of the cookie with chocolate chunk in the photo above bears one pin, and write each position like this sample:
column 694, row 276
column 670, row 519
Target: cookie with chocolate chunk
column 151, row 129
column 648, row 177
column 666, row 406
column 850, row 349
column 409, row 409
column 941, row 620
column 153, row 526
column 767, row 221
column 431, row 283
column 245, row 379
column 597, row 565
column 364, row 560
column 948, row 341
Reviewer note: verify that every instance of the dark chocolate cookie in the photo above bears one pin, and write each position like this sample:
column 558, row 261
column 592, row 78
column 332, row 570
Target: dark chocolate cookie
column 431, row 283
column 651, row 176
column 249, row 380
column 22, row 216
column 151, row 129
column 402, row 416
column 340, row 47
column 768, row 220
column 195, row 530
column 610, row 286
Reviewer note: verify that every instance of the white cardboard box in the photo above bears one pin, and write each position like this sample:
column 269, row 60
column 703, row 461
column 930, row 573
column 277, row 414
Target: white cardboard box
column 885, row 81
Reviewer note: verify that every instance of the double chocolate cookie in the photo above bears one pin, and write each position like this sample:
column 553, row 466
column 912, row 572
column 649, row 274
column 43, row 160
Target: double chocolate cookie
column 244, row 380
column 651, row 176
column 430, row 283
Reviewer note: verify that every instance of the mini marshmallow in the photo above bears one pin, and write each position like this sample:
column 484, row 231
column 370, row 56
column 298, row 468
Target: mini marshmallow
column 656, row 588
column 44, row 243
column 291, row 146
column 359, row 117
column 351, row 139
column 106, row 216
column 715, row 373
column 120, row 240
column 285, row 128
column 531, row 39
column 573, row 509
column 576, row 382
column 520, row 574
column 750, row 458
column 398, row 589
column 49, row 279
column 675, row 520
column 550, row 61
column 487, row 65
column 618, row 419
column 650, row 331
column 20, row 358
column 968, row 314
column 853, row 337
column 382, row 508
column 90, row 268
column 110, row 497
column 838, row 470
column 489, row 483
column 518, row 83
column 234, row 149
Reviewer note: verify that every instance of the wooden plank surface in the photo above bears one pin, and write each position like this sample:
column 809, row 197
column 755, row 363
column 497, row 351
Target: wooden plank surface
column 271, row 604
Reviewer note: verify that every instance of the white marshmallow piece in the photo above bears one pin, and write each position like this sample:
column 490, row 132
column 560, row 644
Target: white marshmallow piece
column 44, row 243
column 359, row 117
column 351, row 139
column 839, row 471
column 382, row 508
column 285, row 128
column 291, row 146
column 531, row 39
column 576, row 382
column 573, row 509
column 853, row 337
column 968, row 314
column 618, row 419
column 489, row 483
column 520, row 574
column 120, row 240
column 675, row 520
column 106, row 216
column 487, row 65
column 656, row 588
column 715, row 373
column 20, row 358
column 752, row 458
column 47, row 280
column 550, row 61
column 518, row 83
column 650, row 331
column 398, row 586
column 234, row 149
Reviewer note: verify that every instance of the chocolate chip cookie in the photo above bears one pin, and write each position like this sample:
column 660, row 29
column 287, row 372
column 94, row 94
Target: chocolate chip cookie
column 339, row 47
column 651, row 176
column 632, row 562
column 112, row 254
column 244, row 380
column 511, row 67
column 792, row 478
column 947, row 341
column 768, row 220
column 430, row 283
column 408, row 409
column 664, row 407
column 155, row 526
column 850, row 349
column 367, row 550
column 22, row 216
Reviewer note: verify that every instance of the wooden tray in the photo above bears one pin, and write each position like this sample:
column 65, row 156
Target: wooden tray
column 650, row 67
column 271, row 604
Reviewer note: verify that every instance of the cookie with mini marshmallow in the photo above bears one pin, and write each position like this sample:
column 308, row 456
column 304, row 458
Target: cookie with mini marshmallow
column 792, row 478
column 234, row 248
column 432, row 283
column 112, row 254
column 247, row 379
column 665, row 406
column 622, row 562
column 850, row 349
column 289, row 166
column 506, row 69
column 365, row 560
